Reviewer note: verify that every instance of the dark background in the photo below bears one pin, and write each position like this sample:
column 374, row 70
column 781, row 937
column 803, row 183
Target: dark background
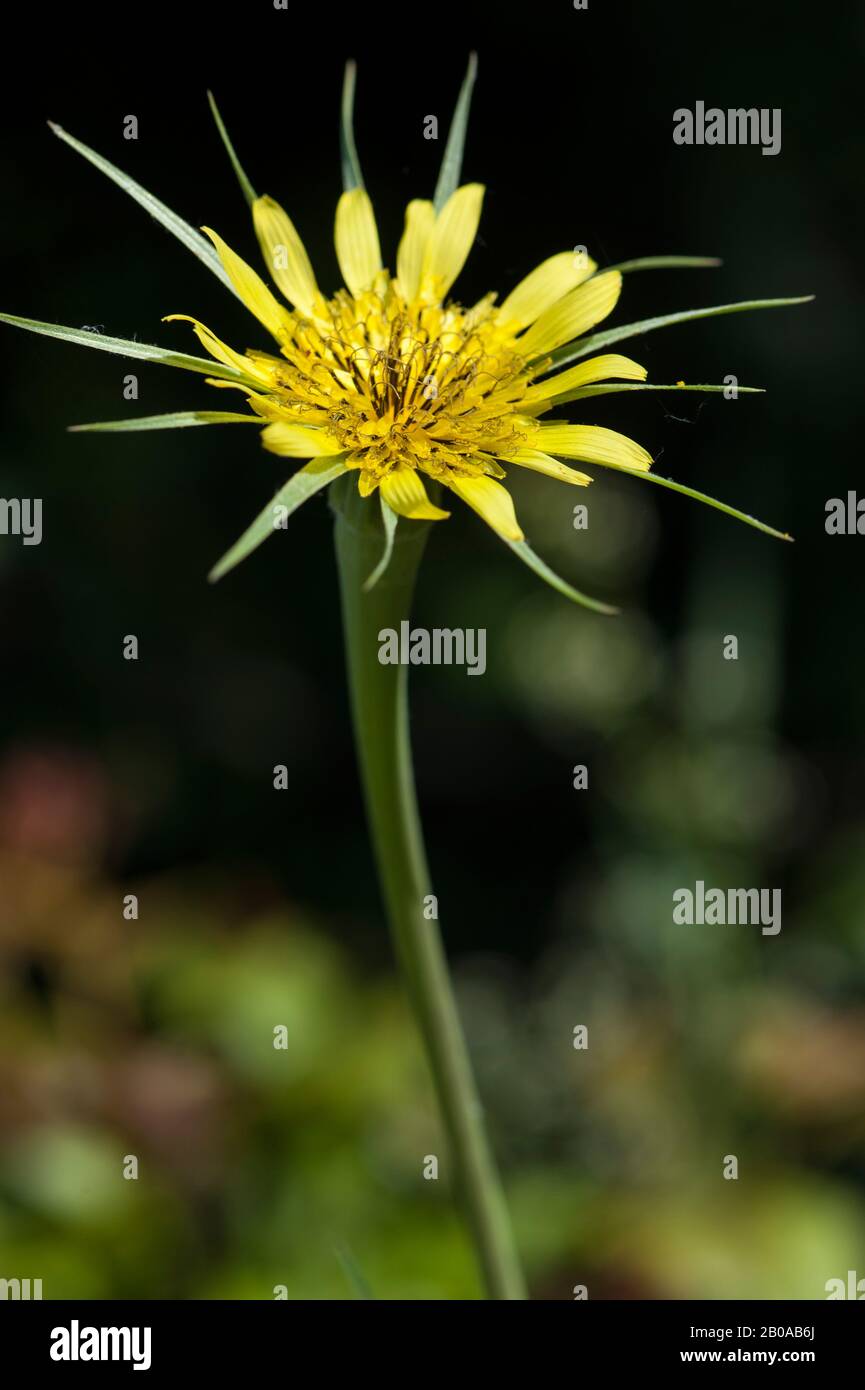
column 155, row 777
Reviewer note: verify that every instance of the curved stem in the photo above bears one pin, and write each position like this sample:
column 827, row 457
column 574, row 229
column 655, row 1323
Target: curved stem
column 380, row 713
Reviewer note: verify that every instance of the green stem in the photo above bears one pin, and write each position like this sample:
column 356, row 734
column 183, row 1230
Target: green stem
column 380, row 712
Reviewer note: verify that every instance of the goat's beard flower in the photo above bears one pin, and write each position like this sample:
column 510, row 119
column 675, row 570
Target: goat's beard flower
column 393, row 380
column 403, row 384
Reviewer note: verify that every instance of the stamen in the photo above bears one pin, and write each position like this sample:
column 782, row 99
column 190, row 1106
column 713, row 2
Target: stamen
column 432, row 387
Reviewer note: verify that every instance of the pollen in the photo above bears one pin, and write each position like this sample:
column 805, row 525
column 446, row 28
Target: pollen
column 399, row 383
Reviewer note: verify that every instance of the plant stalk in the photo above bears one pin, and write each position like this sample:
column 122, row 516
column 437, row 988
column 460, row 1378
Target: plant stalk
column 380, row 715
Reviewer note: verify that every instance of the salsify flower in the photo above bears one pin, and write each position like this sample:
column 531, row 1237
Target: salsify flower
column 394, row 380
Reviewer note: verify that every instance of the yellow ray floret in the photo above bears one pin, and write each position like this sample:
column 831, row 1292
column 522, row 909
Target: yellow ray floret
column 593, row 444
column 546, row 284
column 356, row 238
column 578, row 311
column 491, row 501
column 539, row 462
column 403, row 490
column 419, row 222
column 252, row 289
column 586, row 373
column 451, row 239
column 285, row 254
column 221, row 352
column 297, row 441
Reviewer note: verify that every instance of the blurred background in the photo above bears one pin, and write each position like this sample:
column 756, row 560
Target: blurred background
column 153, row 1037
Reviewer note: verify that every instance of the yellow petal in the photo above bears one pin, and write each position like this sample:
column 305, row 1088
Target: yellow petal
column 546, row 284
column 419, row 223
column 581, row 309
column 252, row 289
column 403, row 490
column 592, row 444
column 367, row 483
column 356, row 237
column 452, row 239
column 273, row 410
column 219, row 381
column 584, row 374
column 542, row 463
column 285, row 254
column 220, row 351
column 298, row 441
column 492, row 502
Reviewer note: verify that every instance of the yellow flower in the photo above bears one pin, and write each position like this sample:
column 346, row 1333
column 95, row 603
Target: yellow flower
column 404, row 383
column 392, row 378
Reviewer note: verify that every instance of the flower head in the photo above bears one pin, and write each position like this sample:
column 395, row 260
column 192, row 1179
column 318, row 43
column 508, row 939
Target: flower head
column 403, row 383
column 392, row 378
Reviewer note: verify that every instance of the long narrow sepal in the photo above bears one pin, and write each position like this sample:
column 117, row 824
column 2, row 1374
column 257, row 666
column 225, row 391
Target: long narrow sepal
column 452, row 160
column 555, row 581
column 665, row 263
column 581, row 393
column 188, row 236
column 246, row 187
column 178, row 420
column 126, row 347
column 709, row 501
column 389, row 521
column 351, row 171
column 569, row 352
column 301, row 486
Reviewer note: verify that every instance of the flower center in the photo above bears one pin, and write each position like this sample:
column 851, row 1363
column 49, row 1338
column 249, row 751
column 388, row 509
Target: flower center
column 400, row 383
